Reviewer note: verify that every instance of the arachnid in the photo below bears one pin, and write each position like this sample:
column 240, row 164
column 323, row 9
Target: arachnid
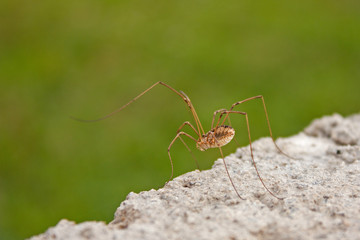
column 219, row 134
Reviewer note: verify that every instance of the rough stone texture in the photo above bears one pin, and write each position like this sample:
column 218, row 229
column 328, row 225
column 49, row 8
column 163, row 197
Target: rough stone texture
column 321, row 189
column 343, row 131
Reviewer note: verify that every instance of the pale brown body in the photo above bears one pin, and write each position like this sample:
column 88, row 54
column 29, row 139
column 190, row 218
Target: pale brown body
column 218, row 136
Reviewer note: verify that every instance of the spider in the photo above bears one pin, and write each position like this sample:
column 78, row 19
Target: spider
column 218, row 136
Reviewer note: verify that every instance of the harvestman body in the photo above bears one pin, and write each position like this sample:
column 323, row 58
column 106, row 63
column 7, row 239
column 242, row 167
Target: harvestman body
column 218, row 136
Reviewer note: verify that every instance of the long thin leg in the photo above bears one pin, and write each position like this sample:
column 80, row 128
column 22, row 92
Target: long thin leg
column 193, row 156
column 267, row 119
column 227, row 172
column 184, row 97
column 214, row 115
column 172, row 142
column 189, row 124
column 251, row 151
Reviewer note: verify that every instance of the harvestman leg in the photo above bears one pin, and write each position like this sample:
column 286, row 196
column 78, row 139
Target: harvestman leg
column 216, row 112
column 227, row 172
column 172, row 142
column 267, row 119
column 193, row 156
column 220, row 149
column 251, row 152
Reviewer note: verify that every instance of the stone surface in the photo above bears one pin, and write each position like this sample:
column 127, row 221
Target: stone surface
column 321, row 189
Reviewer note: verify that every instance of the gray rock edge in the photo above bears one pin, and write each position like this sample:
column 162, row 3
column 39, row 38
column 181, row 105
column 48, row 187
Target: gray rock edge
column 321, row 189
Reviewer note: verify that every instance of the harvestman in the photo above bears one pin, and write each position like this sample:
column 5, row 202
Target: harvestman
column 217, row 137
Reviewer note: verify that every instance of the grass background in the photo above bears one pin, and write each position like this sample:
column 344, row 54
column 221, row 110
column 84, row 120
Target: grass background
column 87, row 58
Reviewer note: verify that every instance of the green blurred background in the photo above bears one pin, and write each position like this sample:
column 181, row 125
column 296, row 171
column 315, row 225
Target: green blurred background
column 87, row 58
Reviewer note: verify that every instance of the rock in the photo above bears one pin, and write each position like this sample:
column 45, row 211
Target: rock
column 343, row 131
column 321, row 187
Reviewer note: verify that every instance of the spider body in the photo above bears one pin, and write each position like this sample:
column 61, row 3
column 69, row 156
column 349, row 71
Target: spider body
column 216, row 137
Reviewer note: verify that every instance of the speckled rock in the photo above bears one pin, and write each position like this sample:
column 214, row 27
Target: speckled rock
column 321, row 187
column 343, row 131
